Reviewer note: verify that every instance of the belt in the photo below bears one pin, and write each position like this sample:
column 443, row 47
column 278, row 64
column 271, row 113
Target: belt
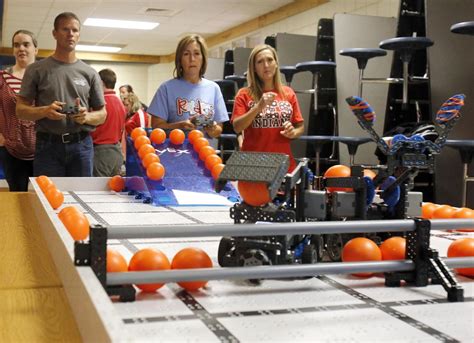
column 64, row 138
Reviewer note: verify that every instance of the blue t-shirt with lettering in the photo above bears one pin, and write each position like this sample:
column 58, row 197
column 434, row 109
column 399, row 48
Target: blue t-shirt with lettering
column 177, row 100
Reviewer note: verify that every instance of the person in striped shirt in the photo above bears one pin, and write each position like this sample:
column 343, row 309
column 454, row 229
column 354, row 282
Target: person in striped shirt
column 18, row 134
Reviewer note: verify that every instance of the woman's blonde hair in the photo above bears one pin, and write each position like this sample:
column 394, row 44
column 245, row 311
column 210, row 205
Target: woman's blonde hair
column 134, row 102
column 183, row 43
column 255, row 85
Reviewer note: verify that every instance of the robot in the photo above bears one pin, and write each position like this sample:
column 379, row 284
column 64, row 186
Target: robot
column 296, row 200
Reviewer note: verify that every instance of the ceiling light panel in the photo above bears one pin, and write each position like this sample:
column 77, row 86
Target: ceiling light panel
column 121, row 24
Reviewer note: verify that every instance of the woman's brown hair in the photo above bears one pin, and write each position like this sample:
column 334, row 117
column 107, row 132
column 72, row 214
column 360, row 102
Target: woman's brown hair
column 183, row 43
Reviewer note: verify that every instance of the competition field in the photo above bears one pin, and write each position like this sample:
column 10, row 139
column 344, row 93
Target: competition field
column 323, row 308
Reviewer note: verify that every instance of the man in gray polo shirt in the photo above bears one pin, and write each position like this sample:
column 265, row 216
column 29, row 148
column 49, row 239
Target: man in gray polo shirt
column 64, row 96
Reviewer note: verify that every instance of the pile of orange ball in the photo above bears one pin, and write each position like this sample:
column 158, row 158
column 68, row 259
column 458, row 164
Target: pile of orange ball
column 54, row 196
column 152, row 259
column 206, row 153
column 363, row 249
column 75, row 221
column 435, row 211
column 150, row 160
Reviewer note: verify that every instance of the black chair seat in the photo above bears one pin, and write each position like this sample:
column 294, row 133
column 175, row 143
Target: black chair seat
column 225, row 83
column 352, row 142
column 362, row 55
column 239, row 79
column 406, row 44
column 288, row 71
column 465, row 148
column 315, row 66
column 465, row 28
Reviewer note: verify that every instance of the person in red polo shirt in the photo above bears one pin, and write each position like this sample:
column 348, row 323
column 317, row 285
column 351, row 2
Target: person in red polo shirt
column 108, row 157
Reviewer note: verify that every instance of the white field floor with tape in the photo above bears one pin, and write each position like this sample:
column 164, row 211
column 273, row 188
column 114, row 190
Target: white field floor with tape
column 325, row 308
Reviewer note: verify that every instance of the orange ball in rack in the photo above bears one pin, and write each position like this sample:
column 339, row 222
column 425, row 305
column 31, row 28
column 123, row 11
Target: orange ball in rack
column 136, row 132
column 155, row 171
column 194, row 134
column 43, row 182
column 149, row 259
column 444, row 212
column 206, row 151
column 393, row 248
column 190, row 258
column 254, row 193
column 141, row 140
column 150, row 158
column 199, row 143
column 116, row 263
column 464, row 213
column 76, row 224
column 427, row 209
column 158, row 136
column 463, row 247
column 145, row 149
column 216, row 170
column 338, row 170
column 55, row 197
column 361, row 249
column 68, row 211
column 177, row 137
column 117, row 183
column 212, row 160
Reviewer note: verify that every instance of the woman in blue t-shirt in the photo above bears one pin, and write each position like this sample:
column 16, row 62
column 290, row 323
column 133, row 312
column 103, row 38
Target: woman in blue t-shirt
column 189, row 101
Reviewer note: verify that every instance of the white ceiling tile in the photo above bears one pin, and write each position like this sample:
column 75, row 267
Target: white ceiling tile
column 208, row 17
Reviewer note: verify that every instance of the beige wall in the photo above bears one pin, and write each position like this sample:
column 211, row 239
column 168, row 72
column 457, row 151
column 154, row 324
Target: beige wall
column 145, row 79
column 134, row 74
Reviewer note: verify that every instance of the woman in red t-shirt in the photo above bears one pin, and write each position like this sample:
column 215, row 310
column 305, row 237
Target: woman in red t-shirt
column 137, row 117
column 267, row 112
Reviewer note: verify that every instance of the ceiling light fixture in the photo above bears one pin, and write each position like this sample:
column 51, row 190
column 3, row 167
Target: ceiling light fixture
column 121, row 24
column 97, row 48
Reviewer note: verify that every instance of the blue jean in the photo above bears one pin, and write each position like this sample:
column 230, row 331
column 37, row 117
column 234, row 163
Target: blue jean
column 64, row 159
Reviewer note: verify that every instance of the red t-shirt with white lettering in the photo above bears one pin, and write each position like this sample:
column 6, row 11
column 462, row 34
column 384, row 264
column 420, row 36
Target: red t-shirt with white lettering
column 263, row 134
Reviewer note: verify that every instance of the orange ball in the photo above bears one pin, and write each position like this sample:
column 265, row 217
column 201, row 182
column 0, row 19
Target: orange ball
column 199, row 143
column 464, row 213
column 338, row 170
column 155, row 171
column 158, row 136
column 361, row 249
column 370, row 173
column 194, row 134
column 117, row 183
column 177, row 137
column 76, row 224
column 206, row 151
column 141, row 140
column 150, row 158
column 137, row 132
column 393, row 248
column 444, row 212
column 216, row 170
column 463, row 247
column 55, row 197
column 149, row 259
column 254, row 193
column 68, row 211
column 43, row 182
column 212, row 160
column 427, row 209
column 190, row 258
column 145, row 149
column 116, row 263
